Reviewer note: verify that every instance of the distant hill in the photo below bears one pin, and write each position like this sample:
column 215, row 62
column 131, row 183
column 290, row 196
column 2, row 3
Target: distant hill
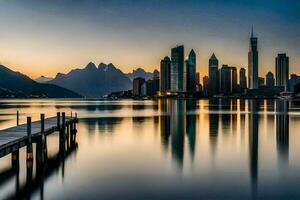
column 16, row 85
column 43, row 79
column 139, row 72
column 93, row 81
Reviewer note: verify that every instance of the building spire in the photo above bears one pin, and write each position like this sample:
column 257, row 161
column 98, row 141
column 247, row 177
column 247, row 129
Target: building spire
column 252, row 35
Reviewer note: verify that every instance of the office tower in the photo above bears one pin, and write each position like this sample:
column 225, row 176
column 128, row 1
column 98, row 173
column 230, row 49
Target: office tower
column 155, row 74
column 206, row 85
column 191, row 72
column 243, row 79
column 225, row 80
column 270, row 82
column 177, row 69
column 282, row 70
column 137, row 86
column 261, row 81
column 165, row 74
column 253, row 63
column 213, row 74
column 197, row 78
column 234, row 84
column 294, row 83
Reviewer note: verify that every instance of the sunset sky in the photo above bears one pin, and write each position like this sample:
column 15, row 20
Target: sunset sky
column 45, row 37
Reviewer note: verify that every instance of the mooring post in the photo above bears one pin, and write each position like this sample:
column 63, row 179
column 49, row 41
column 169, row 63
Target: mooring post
column 68, row 135
column 58, row 120
column 15, row 163
column 62, row 135
column 40, row 146
column 29, row 154
column 17, row 118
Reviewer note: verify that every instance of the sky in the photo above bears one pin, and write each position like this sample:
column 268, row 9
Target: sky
column 40, row 37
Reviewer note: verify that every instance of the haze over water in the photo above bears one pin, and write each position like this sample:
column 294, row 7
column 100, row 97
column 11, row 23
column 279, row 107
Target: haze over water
column 165, row 149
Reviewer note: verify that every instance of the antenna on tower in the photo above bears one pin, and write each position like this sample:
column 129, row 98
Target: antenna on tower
column 252, row 35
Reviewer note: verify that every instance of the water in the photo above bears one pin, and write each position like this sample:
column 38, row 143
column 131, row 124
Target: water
column 165, row 149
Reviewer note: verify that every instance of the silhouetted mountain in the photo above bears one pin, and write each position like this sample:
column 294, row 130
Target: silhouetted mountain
column 43, row 79
column 94, row 82
column 139, row 72
column 15, row 84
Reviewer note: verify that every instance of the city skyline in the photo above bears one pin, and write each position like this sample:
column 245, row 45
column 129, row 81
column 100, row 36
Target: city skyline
column 37, row 38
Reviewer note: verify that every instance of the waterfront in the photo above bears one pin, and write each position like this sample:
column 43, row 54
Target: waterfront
column 167, row 149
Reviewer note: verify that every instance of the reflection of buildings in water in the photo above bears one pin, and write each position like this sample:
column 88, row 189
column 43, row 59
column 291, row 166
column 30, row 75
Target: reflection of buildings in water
column 165, row 122
column 213, row 125
column 270, row 105
column 282, row 131
column 102, row 125
column 191, row 125
column 175, row 122
column 253, row 142
column 177, row 129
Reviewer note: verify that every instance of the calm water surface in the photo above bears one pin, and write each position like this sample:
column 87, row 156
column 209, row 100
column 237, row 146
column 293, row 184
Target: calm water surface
column 165, row 149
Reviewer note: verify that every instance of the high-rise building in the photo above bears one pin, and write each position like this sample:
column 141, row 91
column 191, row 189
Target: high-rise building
column 270, row 82
column 197, row 78
column 177, row 69
column 137, row 86
column 206, row 85
column 213, row 74
column 191, row 72
column 282, row 70
column 261, row 81
column 243, row 79
column 234, row 82
column 155, row 74
column 225, row 80
column 253, row 63
column 165, row 74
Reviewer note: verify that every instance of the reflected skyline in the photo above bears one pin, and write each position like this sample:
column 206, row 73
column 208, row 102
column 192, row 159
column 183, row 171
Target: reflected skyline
column 225, row 143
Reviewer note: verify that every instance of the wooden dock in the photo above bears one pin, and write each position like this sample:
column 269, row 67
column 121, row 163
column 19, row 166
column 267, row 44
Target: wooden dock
column 14, row 138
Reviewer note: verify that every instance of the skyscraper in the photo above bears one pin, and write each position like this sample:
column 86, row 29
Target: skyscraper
column 233, row 79
column 270, row 80
column 253, row 63
column 243, row 80
column 137, row 86
column 191, row 72
column 213, row 74
column 225, row 80
column 282, row 70
column 177, row 69
column 165, row 74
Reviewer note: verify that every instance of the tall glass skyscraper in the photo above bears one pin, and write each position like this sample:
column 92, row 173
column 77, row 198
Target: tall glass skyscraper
column 282, row 70
column 177, row 69
column 191, row 72
column 243, row 81
column 165, row 79
column 253, row 63
column 213, row 73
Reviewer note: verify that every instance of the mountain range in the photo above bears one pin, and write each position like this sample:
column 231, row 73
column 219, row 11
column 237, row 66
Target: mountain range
column 93, row 81
column 139, row 72
column 43, row 79
column 16, row 85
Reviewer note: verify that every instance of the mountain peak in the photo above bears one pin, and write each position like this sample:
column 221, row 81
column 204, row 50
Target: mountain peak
column 91, row 66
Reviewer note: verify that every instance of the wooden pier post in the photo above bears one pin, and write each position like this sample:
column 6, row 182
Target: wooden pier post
column 15, row 160
column 58, row 120
column 62, row 135
column 17, row 118
column 68, row 135
column 40, row 145
column 29, row 154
